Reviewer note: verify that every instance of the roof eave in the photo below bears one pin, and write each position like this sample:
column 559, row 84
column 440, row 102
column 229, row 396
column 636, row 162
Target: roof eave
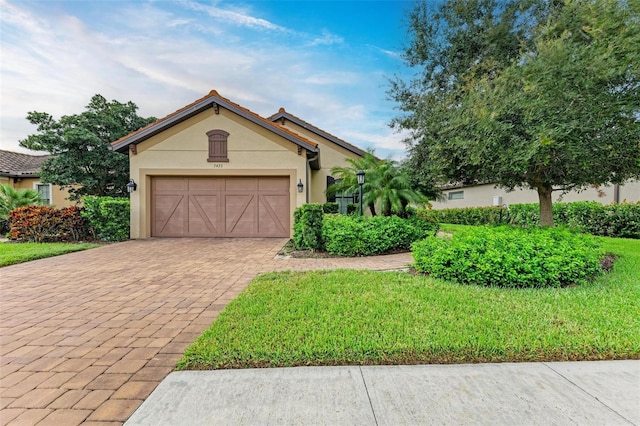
column 283, row 114
column 196, row 109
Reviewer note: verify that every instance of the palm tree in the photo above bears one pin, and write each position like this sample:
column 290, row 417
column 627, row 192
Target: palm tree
column 11, row 198
column 386, row 183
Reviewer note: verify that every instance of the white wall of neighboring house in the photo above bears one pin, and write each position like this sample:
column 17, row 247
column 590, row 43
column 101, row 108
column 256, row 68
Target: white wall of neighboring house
column 488, row 195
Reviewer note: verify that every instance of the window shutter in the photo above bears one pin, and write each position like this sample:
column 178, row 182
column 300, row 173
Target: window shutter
column 217, row 146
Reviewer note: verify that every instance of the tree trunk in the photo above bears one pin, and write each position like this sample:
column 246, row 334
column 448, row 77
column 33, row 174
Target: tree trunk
column 546, row 209
column 372, row 209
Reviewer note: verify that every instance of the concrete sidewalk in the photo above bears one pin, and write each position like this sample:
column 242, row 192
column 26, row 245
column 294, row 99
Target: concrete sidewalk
column 582, row 393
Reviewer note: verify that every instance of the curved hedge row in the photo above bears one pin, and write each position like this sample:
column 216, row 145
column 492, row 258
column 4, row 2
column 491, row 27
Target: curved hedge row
column 511, row 257
column 367, row 236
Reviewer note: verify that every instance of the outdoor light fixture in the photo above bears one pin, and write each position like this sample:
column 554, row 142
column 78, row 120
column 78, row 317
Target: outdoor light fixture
column 300, row 186
column 360, row 176
column 131, row 186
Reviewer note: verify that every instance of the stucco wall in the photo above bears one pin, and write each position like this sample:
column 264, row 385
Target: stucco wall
column 59, row 197
column 331, row 155
column 482, row 195
column 183, row 151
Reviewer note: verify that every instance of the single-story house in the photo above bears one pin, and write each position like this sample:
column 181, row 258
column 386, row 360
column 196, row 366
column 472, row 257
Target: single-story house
column 480, row 195
column 216, row 169
column 22, row 171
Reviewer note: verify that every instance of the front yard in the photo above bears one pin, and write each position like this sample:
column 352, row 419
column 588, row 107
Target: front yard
column 364, row 317
column 13, row 253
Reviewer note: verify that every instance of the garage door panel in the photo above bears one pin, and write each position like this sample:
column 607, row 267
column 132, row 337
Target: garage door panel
column 206, row 184
column 220, row 207
column 275, row 184
column 240, row 213
column 170, row 184
column 273, row 211
column 204, row 211
column 241, row 184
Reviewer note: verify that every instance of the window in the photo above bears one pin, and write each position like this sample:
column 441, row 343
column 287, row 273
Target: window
column 456, row 195
column 44, row 189
column 343, row 199
column 217, row 146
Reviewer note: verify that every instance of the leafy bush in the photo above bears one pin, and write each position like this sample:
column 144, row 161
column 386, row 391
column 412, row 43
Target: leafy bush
column 108, row 217
column 307, row 227
column 331, row 208
column 613, row 220
column 366, row 236
column 511, row 257
column 45, row 224
column 467, row 216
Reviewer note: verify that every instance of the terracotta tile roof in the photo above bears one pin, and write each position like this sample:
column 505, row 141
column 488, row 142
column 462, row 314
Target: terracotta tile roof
column 205, row 102
column 282, row 113
column 15, row 164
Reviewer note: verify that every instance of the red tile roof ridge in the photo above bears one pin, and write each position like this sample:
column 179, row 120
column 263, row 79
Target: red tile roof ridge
column 215, row 94
column 282, row 110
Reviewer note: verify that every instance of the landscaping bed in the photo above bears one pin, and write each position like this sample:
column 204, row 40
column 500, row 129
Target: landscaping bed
column 365, row 317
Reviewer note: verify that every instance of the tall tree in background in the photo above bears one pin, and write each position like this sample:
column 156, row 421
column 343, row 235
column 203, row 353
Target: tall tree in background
column 83, row 162
column 529, row 94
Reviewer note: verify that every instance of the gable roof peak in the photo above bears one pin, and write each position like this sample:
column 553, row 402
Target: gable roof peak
column 215, row 100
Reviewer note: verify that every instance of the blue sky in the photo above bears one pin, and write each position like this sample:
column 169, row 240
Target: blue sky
column 324, row 61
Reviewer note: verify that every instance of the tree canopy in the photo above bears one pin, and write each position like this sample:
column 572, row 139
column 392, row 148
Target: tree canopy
column 83, row 161
column 525, row 94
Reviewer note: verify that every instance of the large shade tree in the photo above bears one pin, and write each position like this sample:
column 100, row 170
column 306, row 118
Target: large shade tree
column 83, row 162
column 525, row 94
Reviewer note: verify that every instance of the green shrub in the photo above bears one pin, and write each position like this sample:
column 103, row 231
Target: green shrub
column 330, row 208
column 108, row 217
column 353, row 208
column 307, row 227
column 467, row 216
column 613, row 220
column 367, row 236
column 511, row 257
column 47, row 224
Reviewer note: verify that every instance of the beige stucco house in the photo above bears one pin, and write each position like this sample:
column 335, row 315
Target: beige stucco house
column 217, row 169
column 489, row 195
column 22, row 171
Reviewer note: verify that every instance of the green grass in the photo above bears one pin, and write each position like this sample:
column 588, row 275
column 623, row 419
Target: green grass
column 12, row 253
column 365, row 317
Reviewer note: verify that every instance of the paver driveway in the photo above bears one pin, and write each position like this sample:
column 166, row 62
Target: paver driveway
column 85, row 337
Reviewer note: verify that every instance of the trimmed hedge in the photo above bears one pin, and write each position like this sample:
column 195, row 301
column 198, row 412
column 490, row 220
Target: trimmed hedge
column 307, row 227
column 467, row 216
column 47, row 224
column 108, row 217
column 511, row 257
column 367, row 236
column 613, row 220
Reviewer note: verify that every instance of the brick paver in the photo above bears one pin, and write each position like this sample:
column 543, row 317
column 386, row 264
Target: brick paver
column 87, row 336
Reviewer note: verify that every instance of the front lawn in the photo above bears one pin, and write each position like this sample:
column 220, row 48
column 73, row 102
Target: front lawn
column 12, row 253
column 365, row 317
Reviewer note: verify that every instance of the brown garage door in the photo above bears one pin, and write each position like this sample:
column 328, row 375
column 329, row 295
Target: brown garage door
column 220, row 207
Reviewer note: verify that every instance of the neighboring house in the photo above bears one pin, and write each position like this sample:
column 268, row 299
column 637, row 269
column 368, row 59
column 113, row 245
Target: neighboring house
column 489, row 195
column 22, row 171
column 217, row 169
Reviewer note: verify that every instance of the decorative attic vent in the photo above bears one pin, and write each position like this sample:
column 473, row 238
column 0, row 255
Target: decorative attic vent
column 217, row 146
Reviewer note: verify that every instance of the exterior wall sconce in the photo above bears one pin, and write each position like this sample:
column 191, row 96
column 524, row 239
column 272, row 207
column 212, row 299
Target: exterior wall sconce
column 131, row 186
column 360, row 176
column 300, row 186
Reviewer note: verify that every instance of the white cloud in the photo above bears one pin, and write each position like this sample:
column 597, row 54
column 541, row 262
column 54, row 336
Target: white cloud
column 234, row 17
column 163, row 57
column 326, row 39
